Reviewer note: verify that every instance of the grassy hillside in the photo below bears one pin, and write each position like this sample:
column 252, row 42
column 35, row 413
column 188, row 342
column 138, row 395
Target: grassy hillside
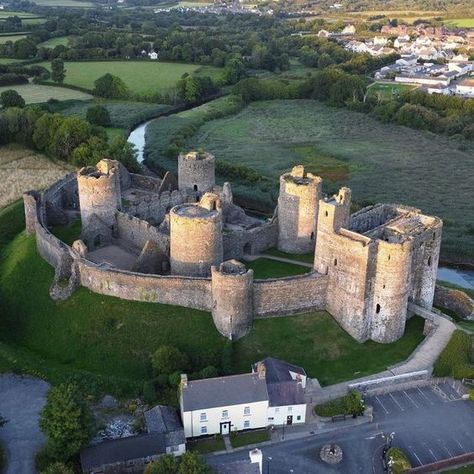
column 381, row 163
column 142, row 77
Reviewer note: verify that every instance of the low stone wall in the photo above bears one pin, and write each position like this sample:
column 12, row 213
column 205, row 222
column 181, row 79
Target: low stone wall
column 182, row 291
column 454, row 300
column 291, row 295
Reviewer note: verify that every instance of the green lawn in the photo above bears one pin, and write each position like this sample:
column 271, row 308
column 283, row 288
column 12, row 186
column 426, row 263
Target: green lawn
column 52, row 42
column 307, row 258
column 249, row 437
column 9, row 60
column 65, row 3
column 388, row 90
column 206, row 445
column 460, row 22
column 91, row 335
column 23, row 15
column 142, row 77
column 380, row 162
column 265, row 268
column 36, row 93
column 5, row 38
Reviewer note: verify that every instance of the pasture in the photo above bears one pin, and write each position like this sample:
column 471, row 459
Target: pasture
column 108, row 339
column 13, row 37
column 141, row 77
column 22, row 170
column 460, row 22
column 65, row 3
column 380, row 162
column 36, row 93
column 52, row 42
column 9, row 60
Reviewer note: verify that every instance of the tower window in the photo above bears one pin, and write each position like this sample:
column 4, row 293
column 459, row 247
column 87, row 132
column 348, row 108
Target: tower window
column 335, row 262
column 195, row 187
column 326, row 213
column 312, row 235
column 377, row 309
column 429, row 261
column 389, row 257
column 434, row 235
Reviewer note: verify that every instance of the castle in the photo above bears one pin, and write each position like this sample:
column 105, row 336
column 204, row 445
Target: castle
column 181, row 241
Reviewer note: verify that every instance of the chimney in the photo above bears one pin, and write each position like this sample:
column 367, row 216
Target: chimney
column 261, row 371
column 184, row 381
column 256, row 457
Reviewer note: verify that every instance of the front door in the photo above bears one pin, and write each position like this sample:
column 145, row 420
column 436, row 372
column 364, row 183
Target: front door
column 289, row 420
column 225, row 428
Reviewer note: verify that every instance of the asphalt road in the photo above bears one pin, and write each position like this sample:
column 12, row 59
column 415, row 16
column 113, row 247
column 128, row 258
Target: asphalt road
column 430, row 424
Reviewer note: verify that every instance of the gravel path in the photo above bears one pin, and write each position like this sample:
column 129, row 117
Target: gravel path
column 21, row 400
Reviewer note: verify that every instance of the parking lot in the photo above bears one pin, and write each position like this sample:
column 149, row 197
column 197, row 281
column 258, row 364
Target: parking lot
column 430, row 423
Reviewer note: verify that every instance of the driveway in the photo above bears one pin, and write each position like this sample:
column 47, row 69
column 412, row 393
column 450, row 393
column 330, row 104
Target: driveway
column 21, row 400
column 430, row 423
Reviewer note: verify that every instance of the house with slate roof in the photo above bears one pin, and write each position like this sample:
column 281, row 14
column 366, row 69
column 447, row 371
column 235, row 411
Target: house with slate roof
column 273, row 394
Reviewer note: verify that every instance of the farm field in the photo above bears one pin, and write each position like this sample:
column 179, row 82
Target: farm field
column 65, row 3
column 388, row 89
column 22, row 169
column 109, row 337
column 381, row 163
column 13, row 38
column 460, row 22
column 23, row 15
column 37, row 93
column 52, row 42
column 9, row 60
column 142, row 77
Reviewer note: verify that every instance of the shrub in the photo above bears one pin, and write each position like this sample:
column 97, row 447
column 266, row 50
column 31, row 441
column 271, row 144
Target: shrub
column 58, row 468
column 349, row 404
column 149, row 392
column 98, row 115
column 471, row 395
column 11, row 98
column 398, row 461
column 168, row 359
column 11, row 79
column 110, row 87
column 166, row 464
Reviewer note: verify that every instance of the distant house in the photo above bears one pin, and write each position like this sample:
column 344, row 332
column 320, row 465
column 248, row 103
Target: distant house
column 324, row 34
column 273, row 394
column 348, row 30
column 153, row 55
column 407, row 60
column 465, row 87
column 165, row 436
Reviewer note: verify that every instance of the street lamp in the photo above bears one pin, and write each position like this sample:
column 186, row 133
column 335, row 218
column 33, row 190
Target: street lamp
column 269, row 460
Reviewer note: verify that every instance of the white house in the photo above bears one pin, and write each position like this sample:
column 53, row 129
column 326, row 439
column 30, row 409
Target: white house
column 153, row 55
column 465, row 87
column 273, row 394
column 348, row 30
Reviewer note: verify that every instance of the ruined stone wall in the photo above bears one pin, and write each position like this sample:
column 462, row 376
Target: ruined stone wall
column 99, row 194
column 196, row 171
column 426, row 249
column 290, row 295
column 252, row 241
column 145, row 182
column 137, row 231
column 371, row 217
column 389, row 289
column 454, row 300
column 298, row 204
column 30, row 204
column 182, row 291
column 195, row 240
column 232, row 295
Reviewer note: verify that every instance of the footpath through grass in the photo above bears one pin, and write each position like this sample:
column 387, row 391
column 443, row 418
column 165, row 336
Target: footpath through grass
column 265, row 268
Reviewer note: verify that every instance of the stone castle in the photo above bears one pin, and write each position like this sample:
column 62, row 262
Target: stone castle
column 180, row 241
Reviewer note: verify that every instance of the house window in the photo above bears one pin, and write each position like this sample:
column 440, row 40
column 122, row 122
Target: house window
column 246, row 424
column 290, row 409
column 270, row 418
column 277, row 410
column 247, row 411
column 203, row 416
column 225, row 413
column 298, row 418
column 203, row 429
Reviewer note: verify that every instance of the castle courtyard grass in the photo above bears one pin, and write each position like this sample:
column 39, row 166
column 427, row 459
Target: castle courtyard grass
column 109, row 337
column 265, row 268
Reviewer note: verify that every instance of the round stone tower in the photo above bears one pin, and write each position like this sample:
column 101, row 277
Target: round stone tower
column 99, row 192
column 232, row 296
column 196, row 171
column 195, row 239
column 298, row 204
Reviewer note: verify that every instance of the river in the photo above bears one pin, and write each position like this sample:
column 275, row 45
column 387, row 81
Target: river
column 462, row 278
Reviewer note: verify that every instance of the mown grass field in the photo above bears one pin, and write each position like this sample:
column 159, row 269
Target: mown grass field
column 22, row 170
column 37, row 93
column 65, row 3
column 52, row 42
column 141, row 77
column 109, row 337
column 388, row 90
column 380, row 162
column 9, row 60
column 265, row 268
column 460, row 22
column 13, row 38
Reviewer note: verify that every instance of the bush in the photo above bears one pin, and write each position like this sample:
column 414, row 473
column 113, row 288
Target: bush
column 58, row 468
column 98, row 115
column 398, row 461
column 149, row 392
column 11, row 98
column 456, row 358
column 168, row 359
column 110, row 87
column 11, row 79
column 350, row 404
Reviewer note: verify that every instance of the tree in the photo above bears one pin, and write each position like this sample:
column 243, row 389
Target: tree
column 70, row 134
column 122, row 150
column 89, row 153
column 67, row 421
column 25, row 49
column 58, row 73
column 11, row 98
column 166, row 464
column 192, row 463
column 354, row 404
column 98, row 115
column 110, row 87
column 168, row 359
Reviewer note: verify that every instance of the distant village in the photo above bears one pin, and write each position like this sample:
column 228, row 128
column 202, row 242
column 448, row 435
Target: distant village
column 429, row 56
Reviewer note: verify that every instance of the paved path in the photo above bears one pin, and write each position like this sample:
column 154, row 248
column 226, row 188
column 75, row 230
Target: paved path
column 21, row 400
column 251, row 258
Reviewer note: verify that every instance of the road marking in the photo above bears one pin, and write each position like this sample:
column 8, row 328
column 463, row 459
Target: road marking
column 416, row 455
column 424, row 396
column 393, row 398
column 432, row 454
column 460, row 445
column 411, row 399
column 447, row 450
column 382, row 405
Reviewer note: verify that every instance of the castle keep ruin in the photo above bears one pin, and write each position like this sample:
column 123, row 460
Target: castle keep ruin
column 180, row 241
